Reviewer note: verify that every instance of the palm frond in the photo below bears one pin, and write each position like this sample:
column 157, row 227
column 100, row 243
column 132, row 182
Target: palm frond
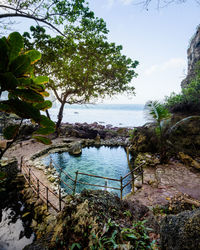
column 155, row 111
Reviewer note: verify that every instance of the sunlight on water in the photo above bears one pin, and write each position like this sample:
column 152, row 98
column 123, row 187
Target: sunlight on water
column 103, row 161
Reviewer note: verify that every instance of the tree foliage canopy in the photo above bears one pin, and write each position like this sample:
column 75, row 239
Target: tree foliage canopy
column 83, row 66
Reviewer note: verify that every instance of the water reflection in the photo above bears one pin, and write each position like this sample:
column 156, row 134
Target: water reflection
column 13, row 235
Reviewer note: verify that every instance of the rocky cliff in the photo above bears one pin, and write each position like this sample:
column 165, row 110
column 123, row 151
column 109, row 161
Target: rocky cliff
column 193, row 55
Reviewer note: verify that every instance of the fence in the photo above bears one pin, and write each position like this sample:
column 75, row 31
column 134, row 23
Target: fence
column 55, row 200
column 41, row 190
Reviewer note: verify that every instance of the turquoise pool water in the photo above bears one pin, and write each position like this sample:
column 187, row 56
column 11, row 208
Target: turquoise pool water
column 104, row 161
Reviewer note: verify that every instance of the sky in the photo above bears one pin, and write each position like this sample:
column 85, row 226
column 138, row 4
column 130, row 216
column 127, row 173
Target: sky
column 157, row 38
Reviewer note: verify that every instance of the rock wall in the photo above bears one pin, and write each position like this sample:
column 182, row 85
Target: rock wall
column 193, row 55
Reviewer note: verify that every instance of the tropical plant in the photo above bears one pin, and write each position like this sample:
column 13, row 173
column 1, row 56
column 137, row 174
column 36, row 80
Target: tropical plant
column 26, row 92
column 158, row 113
column 83, row 66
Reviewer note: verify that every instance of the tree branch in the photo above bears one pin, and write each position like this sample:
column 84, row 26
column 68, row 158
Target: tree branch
column 31, row 17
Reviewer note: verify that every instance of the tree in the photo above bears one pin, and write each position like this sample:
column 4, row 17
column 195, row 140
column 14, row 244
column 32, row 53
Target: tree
column 55, row 14
column 160, row 3
column 25, row 91
column 83, row 66
column 157, row 113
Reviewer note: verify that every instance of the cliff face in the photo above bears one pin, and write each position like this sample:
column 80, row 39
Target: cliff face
column 193, row 55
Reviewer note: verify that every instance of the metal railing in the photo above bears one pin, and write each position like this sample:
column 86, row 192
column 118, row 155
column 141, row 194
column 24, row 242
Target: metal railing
column 41, row 190
column 55, row 200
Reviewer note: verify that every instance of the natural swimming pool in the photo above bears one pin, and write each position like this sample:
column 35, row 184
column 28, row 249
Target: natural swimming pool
column 103, row 161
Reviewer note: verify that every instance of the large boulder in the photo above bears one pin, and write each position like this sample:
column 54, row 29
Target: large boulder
column 181, row 232
column 76, row 149
column 184, row 135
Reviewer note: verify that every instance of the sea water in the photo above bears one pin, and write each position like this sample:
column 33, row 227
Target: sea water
column 120, row 115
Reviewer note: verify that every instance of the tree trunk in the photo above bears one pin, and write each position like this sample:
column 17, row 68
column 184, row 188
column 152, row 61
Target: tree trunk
column 60, row 117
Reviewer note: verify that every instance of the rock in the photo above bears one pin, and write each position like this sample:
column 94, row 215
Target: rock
column 193, row 55
column 76, row 149
column 189, row 161
column 181, row 232
column 146, row 160
column 9, row 166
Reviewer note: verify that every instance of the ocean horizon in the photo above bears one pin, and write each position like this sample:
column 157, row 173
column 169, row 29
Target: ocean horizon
column 119, row 115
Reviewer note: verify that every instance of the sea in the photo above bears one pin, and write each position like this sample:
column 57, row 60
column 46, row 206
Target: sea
column 118, row 115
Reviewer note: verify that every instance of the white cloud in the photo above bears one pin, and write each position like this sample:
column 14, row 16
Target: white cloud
column 126, row 2
column 110, row 3
column 170, row 64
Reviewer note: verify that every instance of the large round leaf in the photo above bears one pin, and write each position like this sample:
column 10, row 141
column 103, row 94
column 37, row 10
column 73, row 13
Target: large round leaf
column 28, row 95
column 21, row 65
column 34, row 55
column 15, row 42
column 11, row 131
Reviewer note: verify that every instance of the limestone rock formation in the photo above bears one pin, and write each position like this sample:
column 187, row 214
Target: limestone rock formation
column 193, row 55
column 181, row 231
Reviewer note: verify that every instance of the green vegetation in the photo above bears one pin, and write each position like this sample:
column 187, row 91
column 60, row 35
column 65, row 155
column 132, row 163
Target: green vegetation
column 26, row 92
column 158, row 113
column 189, row 99
column 83, row 66
column 114, row 237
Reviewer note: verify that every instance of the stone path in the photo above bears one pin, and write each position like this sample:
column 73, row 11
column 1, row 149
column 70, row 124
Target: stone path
column 164, row 181
column 27, row 149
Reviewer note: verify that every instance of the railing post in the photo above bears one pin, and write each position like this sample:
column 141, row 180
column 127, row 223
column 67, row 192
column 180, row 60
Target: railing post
column 29, row 176
column 38, row 188
column 121, row 187
column 47, row 196
column 106, row 184
column 59, row 192
column 133, row 183
column 21, row 162
column 142, row 174
column 74, row 191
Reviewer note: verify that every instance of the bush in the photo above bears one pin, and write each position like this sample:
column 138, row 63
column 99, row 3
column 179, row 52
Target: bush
column 189, row 99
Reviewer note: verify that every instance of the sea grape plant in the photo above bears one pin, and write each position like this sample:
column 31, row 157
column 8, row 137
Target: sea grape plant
column 26, row 92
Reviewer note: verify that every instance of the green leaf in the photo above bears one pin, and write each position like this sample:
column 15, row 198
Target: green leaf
column 5, row 107
column 21, row 66
column 15, row 42
column 20, row 108
column 41, row 80
column 3, row 54
column 34, row 55
column 8, row 81
column 28, row 95
column 44, row 105
column 2, row 175
column 11, row 131
column 45, row 122
column 25, row 81
column 45, row 131
column 42, row 139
